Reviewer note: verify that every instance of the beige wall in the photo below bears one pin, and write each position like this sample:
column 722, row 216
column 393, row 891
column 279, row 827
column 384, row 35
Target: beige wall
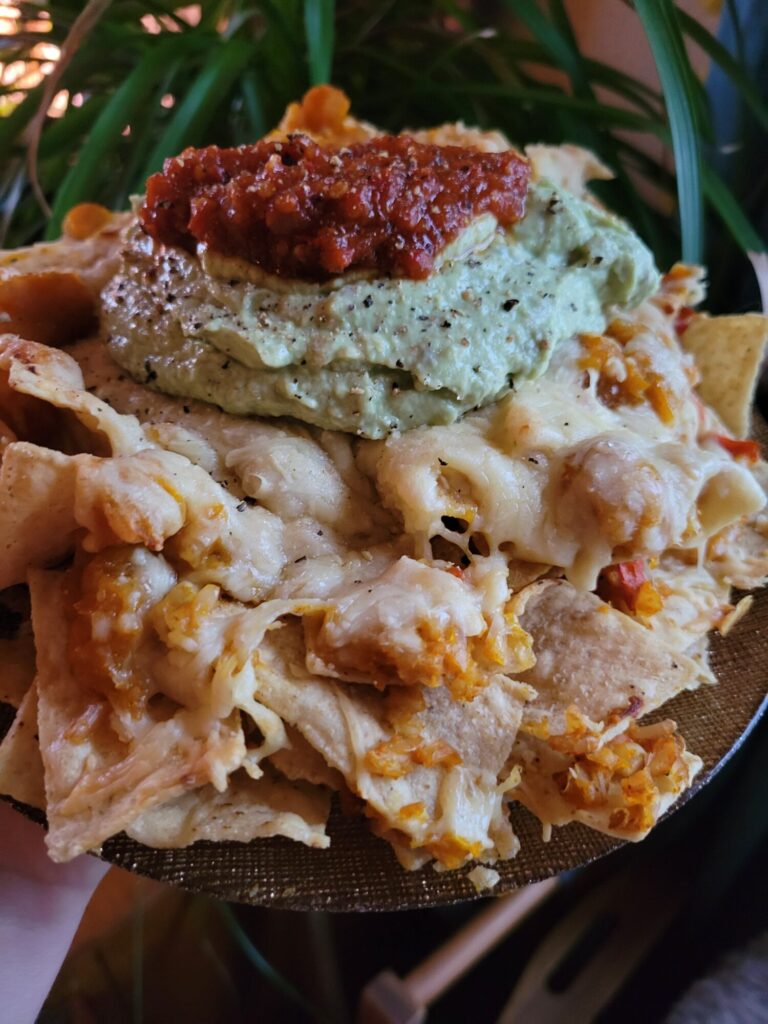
column 610, row 31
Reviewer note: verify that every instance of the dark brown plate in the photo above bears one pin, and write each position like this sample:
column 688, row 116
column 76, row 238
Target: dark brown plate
column 360, row 872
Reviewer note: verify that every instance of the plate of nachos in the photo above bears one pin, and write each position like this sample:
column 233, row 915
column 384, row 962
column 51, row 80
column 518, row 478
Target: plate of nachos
column 367, row 506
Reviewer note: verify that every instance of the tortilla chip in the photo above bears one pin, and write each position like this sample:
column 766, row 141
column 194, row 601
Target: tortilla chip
column 43, row 399
column 694, row 602
column 729, row 352
column 621, row 788
column 21, row 767
column 17, row 646
column 93, row 259
column 301, row 761
column 282, row 468
column 448, row 801
column 37, row 522
column 45, row 497
column 459, row 134
column 53, row 308
column 570, row 167
column 595, row 658
column 738, row 556
column 582, row 755
column 247, row 809
column 97, row 782
column 7, row 436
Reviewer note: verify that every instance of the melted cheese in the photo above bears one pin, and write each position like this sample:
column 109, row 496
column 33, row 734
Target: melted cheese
column 235, row 577
column 554, row 475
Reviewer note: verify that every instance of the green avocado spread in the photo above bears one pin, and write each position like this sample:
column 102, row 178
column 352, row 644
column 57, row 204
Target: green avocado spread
column 375, row 355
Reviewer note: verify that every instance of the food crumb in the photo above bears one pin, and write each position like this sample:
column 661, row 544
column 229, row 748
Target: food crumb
column 483, row 879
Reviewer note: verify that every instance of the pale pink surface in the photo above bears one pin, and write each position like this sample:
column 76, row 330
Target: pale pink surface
column 41, row 904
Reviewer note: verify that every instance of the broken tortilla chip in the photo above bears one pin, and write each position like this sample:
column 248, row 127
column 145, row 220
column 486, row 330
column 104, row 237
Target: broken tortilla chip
column 248, row 809
column 582, row 755
column 595, row 658
column 729, row 352
column 571, row 167
column 436, row 779
column 299, row 760
column 97, row 782
column 43, row 399
column 21, row 766
column 94, row 258
column 37, row 493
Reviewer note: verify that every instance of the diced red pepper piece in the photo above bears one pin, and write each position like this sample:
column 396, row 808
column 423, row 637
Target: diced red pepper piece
column 683, row 319
column 630, row 575
column 628, row 588
column 454, row 570
column 749, row 450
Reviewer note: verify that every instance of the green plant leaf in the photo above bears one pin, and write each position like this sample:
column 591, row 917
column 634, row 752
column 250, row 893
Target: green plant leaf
column 551, row 38
column 728, row 63
column 66, row 131
column 15, row 123
column 143, row 132
column 603, row 113
column 254, row 105
column 79, row 183
column 730, row 212
column 198, row 108
column 659, row 19
column 318, row 27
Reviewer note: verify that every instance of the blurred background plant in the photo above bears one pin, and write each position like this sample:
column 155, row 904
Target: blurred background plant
column 141, row 79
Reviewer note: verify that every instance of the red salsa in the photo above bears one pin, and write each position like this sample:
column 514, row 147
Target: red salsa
column 390, row 204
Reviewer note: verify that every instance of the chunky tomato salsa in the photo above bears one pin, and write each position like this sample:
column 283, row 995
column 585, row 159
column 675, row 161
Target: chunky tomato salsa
column 390, row 205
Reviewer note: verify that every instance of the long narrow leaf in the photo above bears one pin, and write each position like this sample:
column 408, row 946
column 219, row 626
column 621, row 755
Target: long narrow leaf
column 730, row 212
column 318, row 26
column 578, row 67
column 87, row 18
column 509, row 51
column 282, row 64
column 69, row 129
column 143, row 133
column 119, row 111
column 254, row 105
column 661, row 27
column 602, row 113
column 550, row 37
column 198, row 107
column 12, row 126
column 728, row 63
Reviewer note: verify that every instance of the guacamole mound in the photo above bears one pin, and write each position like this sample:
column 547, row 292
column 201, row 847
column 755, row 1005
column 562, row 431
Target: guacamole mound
column 373, row 355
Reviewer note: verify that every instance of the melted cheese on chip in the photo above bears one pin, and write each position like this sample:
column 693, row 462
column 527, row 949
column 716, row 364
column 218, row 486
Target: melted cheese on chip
column 232, row 615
